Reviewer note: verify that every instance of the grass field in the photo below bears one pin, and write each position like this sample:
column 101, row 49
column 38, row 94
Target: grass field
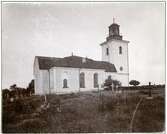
column 86, row 112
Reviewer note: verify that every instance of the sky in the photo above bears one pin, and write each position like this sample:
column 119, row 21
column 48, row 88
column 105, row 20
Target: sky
column 57, row 29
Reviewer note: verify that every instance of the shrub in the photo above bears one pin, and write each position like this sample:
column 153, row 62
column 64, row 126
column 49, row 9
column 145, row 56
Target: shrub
column 109, row 82
column 5, row 93
column 134, row 82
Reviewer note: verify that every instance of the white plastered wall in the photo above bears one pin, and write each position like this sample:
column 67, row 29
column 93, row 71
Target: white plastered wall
column 41, row 79
column 61, row 73
column 89, row 78
column 37, row 77
column 119, row 60
column 52, row 81
column 72, row 76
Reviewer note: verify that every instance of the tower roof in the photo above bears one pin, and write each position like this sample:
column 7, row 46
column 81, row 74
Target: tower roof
column 114, row 32
column 114, row 24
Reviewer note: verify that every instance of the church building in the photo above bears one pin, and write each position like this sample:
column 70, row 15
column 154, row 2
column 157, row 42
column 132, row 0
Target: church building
column 75, row 73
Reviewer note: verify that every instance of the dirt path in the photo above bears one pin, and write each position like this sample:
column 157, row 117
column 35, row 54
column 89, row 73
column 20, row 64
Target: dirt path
column 134, row 113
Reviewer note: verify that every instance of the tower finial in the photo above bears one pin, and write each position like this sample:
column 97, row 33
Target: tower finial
column 113, row 20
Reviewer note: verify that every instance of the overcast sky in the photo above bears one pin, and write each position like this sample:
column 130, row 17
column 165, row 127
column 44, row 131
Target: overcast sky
column 58, row 29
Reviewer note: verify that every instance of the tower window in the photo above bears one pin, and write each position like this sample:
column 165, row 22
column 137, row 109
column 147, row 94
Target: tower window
column 120, row 50
column 107, row 51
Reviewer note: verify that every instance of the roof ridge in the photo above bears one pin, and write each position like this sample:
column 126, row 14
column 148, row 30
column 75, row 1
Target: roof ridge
column 78, row 57
column 47, row 57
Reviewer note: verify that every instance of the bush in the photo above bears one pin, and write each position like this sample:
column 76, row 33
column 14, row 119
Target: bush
column 5, row 93
column 134, row 82
column 109, row 83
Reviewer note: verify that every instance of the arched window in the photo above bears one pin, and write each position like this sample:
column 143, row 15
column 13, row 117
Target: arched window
column 82, row 80
column 121, row 68
column 65, row 83
column 95, row 76
column 120, row 50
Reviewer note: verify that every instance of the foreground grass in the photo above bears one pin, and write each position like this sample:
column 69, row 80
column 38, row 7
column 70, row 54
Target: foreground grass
column 150, row 116
column 87, row 112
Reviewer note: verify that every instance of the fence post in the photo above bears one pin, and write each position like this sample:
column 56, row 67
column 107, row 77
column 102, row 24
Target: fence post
column 150, row 95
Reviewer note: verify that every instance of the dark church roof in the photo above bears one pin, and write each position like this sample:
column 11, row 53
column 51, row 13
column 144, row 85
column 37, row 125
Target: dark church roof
column 74, row 62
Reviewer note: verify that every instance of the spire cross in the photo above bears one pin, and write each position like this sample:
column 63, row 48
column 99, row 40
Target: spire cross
column 113, row 20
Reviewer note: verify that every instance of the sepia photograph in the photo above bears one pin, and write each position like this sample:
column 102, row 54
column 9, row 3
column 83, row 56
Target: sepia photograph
column 83, row 67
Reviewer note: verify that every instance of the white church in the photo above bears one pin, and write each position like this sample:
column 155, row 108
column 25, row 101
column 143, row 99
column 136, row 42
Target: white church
column 75, row 73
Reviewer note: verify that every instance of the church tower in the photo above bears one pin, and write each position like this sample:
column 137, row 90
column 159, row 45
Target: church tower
column 115, row 50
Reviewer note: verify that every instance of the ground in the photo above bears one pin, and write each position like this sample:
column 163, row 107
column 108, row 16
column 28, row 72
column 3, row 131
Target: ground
column 104, row 111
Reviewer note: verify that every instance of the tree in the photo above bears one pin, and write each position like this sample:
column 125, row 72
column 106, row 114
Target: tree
column 116, row 83
column 13, row 86
column 5, row 93
column 134, row 82
column 30, row 88
column 108, row 83
column 31, row 84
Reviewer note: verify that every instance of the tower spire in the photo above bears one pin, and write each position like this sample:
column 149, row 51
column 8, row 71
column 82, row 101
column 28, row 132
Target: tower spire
column 113, row 20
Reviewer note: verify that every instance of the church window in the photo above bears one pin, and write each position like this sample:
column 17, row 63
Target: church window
column 95, row 80
column 121, row 68
column 82, row 80
column 120, row 50
column 107, row 51
column 65, row 83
